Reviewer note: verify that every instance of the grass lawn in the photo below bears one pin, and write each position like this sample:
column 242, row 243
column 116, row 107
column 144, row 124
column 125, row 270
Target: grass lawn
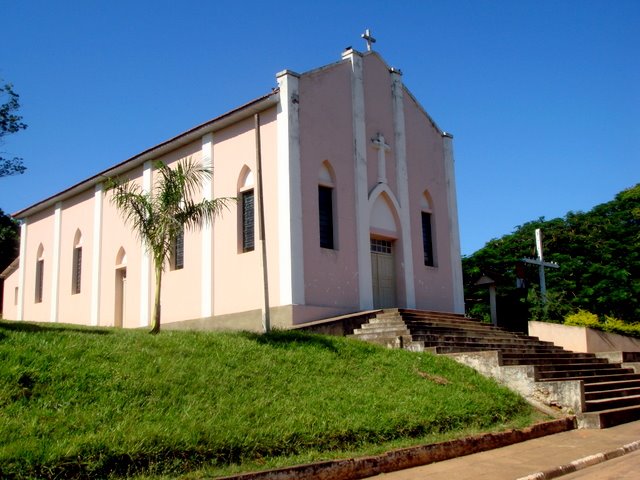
column 92, row 402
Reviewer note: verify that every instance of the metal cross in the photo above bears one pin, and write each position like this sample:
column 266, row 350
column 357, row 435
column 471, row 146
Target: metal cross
column 368, row 38
column 541, row 264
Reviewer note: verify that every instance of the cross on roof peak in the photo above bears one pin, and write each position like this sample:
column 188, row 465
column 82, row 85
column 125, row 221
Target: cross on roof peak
column 368, row 38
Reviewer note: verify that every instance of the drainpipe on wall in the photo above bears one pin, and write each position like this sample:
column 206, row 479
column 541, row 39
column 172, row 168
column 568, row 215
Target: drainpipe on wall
column 266, row 317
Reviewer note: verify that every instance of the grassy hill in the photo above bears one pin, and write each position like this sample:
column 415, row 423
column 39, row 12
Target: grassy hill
column 82, row 402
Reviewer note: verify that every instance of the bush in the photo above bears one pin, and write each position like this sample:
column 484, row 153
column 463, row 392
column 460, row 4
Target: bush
column 615, row 325
column 583, row 318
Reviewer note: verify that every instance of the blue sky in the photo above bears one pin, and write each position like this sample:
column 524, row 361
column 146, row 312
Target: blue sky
column 542, row 97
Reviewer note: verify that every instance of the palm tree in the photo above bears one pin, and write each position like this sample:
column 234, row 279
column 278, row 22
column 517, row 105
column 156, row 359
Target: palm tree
column 160, row 216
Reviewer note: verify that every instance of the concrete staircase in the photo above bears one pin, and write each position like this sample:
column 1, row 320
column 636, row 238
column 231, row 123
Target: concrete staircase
column 601, row 392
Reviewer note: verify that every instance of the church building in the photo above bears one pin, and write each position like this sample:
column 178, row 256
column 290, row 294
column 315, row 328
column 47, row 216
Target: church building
column 359, row 204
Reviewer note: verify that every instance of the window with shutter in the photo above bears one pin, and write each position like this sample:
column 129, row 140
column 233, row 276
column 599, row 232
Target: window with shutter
column 248, row 228
column 39, row 280
column 177, row 252
column 76, row 275
column 427, row 240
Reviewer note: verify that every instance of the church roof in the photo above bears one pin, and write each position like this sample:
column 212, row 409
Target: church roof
column 12, row 267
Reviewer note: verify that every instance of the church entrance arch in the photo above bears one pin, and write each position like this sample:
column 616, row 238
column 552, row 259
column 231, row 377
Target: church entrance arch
column 383, row 229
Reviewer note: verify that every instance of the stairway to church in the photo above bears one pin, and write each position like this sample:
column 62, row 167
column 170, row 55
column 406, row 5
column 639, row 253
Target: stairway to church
column 601, row 393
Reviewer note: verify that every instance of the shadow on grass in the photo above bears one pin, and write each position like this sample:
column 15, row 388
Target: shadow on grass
column 289, row 338
column 15, row 326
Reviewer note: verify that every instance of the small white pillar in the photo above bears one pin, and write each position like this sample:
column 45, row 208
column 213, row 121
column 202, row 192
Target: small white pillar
column 484, row 280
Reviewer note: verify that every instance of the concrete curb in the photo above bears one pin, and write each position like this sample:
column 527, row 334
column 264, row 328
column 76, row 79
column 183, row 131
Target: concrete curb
column 356, row 468
column 583, row 463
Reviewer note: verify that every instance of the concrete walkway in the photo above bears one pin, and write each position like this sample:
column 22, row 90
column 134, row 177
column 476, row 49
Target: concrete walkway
column 539, row 459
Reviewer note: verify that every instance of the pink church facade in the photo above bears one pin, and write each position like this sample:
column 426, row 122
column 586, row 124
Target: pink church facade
column 360, row 213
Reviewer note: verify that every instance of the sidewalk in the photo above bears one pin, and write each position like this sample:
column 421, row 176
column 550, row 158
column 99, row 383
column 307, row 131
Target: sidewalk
column 525, row 459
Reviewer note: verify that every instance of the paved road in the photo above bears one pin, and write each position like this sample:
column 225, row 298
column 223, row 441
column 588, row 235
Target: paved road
column 626, row 467
column 534, row 456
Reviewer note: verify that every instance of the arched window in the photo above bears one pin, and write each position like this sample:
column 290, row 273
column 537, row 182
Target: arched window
column 76, row 266
column 427, row 229
column 326, row 192
column 39, row 274
column 246, row 220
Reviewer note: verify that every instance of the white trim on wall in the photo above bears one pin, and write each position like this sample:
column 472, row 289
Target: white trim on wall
column 145, row 257
column 400, row 137
column 290, row 248
column 454, row 229
column 55, row 262
column 206, row 287
column 96, row 254
column 22, row 265
column 365, row 289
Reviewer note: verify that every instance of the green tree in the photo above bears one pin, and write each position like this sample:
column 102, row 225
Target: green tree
column 10, row 122
column 599, row 257
column 159, row 216
column 9, row 240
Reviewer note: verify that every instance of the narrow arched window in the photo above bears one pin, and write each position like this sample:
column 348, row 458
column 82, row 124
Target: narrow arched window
column 39, row 275
column 247, row 207
column 76, row 267
column 326, row 193
column 427, row 230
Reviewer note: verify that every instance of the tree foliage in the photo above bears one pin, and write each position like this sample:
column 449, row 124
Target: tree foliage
column 599, row 257
column 10, row 122
column 9, row 240
column 159, row 216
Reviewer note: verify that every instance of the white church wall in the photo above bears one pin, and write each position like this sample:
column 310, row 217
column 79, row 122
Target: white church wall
column 238, row 284
column 118, row 238
column 425, row 156
column 379, row 120
column 326, row 135
column 40, row 237
column 76, row 221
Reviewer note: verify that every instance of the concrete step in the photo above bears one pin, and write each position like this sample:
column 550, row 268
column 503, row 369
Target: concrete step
column 382, row 329
column 408, row 312
column 611, row 385
column 595, row 378
column 475, row 347
column 471, row 337
column 384, row 319
column 611, row 403
column 581, row 374
column 426, row 325
column 612, row 393
column 379, row 326
column 381, row 335
column 550, row 360
column 581, row 365
column 479, row 335
column 559, row 354
column 609, row 418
